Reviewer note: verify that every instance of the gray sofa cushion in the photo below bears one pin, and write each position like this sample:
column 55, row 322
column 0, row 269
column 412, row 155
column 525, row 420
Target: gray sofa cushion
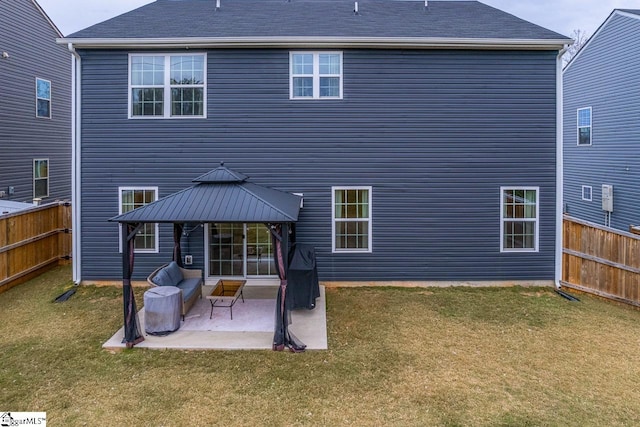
column 162, row 278
column 174, row 272
column 189, row 286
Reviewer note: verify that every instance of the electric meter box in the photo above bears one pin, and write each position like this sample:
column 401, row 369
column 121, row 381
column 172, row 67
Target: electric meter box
column 607, row 198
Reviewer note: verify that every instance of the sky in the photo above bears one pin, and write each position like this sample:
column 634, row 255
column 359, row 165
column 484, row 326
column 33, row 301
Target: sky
column 562, row 16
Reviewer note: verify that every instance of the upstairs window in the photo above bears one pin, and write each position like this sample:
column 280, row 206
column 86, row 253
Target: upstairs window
column 164, row 86
column 584, row 126
column 519, row 217
column 40, row 178
column 43, row 98
column 315, row 75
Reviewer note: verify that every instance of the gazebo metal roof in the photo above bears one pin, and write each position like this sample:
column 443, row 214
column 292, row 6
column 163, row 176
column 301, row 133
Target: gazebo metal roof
column 221, row 195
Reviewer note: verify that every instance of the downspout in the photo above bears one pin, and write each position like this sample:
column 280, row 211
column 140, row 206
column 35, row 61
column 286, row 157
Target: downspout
column 76, row 77
column 559, row 168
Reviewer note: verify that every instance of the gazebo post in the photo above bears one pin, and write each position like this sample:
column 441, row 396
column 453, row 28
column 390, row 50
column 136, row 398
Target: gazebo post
column 285, row 246
column 132, row 334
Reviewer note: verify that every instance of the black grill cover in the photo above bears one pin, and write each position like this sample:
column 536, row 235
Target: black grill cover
column 302, row 279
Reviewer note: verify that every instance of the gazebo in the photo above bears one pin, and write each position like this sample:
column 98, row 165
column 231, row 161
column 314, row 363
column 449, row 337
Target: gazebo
column 221, row 195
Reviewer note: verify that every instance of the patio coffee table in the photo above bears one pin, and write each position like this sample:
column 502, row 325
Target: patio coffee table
column 225, row 294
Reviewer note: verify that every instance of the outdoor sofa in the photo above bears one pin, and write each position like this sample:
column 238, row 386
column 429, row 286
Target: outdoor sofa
column 189, row 281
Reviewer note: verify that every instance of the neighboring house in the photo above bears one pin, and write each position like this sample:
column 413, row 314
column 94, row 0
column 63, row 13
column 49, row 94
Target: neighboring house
column 424, row 140
column 8, row 206
column 35, row 106
column 602, row 125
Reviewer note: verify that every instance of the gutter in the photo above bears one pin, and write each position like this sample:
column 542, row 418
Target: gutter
column 76, row 78
column 559, row 168
column 318, row 42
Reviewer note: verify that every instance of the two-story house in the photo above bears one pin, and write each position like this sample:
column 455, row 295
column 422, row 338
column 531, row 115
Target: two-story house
column 602, row 126
column 35, row 106
column 423, row 137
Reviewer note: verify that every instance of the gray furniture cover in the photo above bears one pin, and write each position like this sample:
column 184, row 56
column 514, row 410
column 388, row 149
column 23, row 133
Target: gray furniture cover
column 162, row 309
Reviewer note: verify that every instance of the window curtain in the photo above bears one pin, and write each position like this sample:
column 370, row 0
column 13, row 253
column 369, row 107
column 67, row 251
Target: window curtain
column 282, row 337
column 132, row 334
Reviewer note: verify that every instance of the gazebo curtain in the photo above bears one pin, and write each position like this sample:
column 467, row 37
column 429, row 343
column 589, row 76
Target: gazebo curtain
column 132, row 334
column 177, row 236
column 282, row 336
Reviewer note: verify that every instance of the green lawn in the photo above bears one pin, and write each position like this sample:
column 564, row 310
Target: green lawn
column 407, row 357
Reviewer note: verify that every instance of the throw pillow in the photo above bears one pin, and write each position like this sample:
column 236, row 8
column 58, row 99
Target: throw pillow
column 174, row 272
column 162, row 278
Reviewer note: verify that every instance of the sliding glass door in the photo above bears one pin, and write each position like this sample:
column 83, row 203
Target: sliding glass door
column 259, row 258
column 226, row 249
column 240, row 250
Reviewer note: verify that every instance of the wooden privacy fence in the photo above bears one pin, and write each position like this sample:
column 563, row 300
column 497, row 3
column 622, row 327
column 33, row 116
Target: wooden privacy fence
column 601, row 261
column 33, row 241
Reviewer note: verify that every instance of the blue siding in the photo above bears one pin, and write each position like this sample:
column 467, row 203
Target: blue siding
column 435, row 133
column 605, row 77
column 30, row 41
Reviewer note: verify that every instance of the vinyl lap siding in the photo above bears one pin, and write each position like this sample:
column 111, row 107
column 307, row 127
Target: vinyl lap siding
column 29, row 40
column 435, row 133
column 605, row 77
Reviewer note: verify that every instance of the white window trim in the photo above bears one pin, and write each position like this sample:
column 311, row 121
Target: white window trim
column 590, row 199
column 536, row 220
column 34, row 177
column 50, row 99
column 167, row 87
column 333, row 220
column 578, row 127
column 138, row 251
column 316, row 75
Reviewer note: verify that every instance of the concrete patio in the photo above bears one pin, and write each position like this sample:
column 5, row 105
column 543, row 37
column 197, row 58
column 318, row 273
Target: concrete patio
column 309, row 326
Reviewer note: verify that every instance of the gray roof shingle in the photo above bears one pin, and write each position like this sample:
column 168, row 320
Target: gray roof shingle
column 633, row 11
column 316, row 18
